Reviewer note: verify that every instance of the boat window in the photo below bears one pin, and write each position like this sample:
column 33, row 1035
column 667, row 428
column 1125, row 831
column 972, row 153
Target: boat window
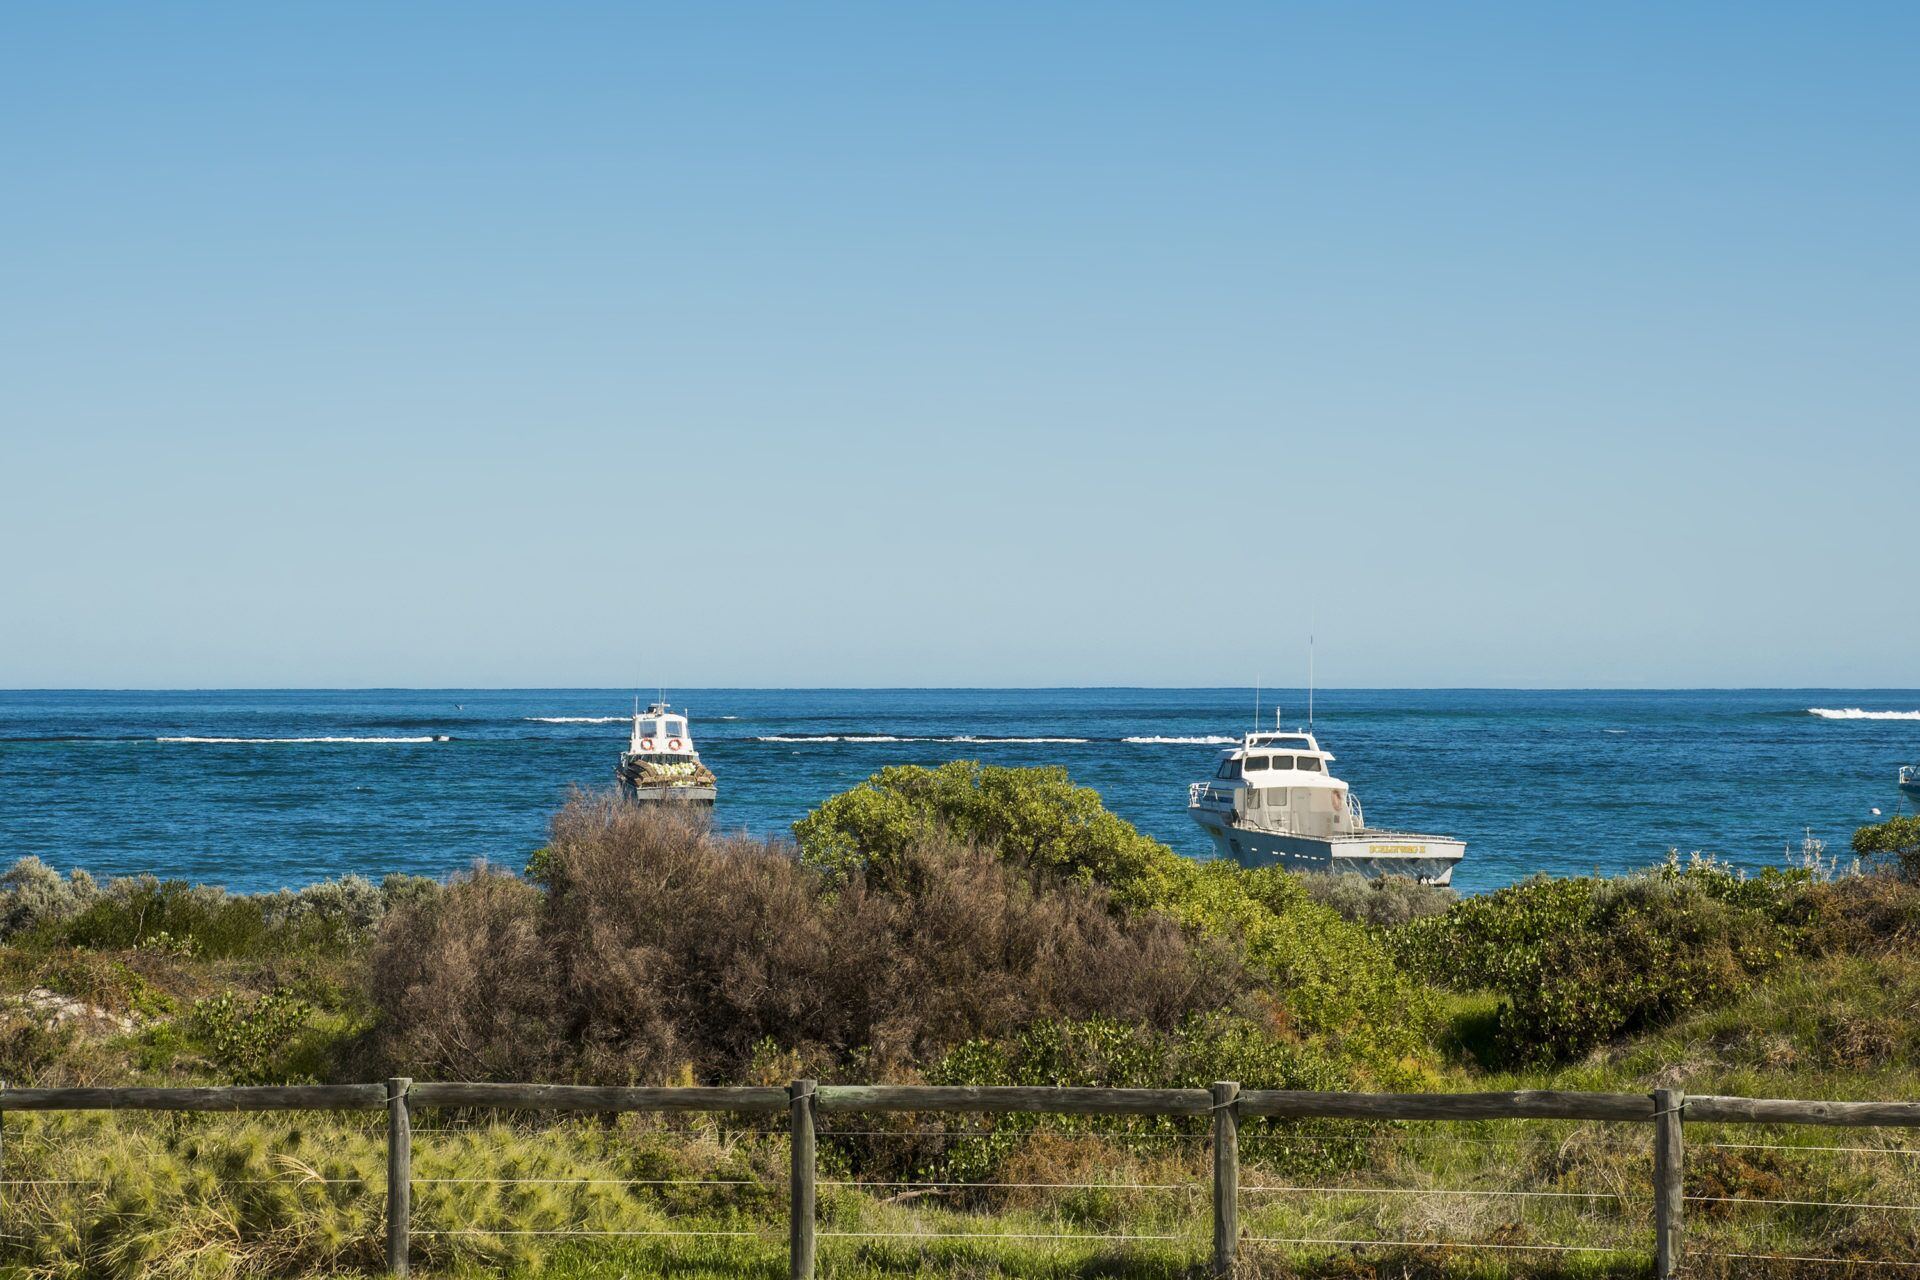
column 1228, row 769
column 1276, row 797
column 676, row 727
column 1253, row 799
column 1283, row 762
column 1309, row 763
column 1256, row 763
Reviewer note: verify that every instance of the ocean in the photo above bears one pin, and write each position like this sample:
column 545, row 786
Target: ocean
column 258, row 789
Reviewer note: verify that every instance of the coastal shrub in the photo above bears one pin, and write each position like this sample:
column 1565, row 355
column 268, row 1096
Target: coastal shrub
column 1895, row 841
column 1034, row 816
column 661, row 946
column 465, row 985
column 33, row 894
column 1331, row 978
column 681, row 946
column 352, row 902
column 1581, row 961
column 1862, row 913
column 132, row 912
column 1102, row 1052
column 1387, row 900
column 247, row 1038
column 399, row 889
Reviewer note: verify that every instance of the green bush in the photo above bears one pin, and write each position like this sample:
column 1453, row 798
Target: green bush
column 1582, row 961
column 1036, row 817
column 1897, row 839
column 1100, row 1052
column 1332, row 979
column 248, row 1039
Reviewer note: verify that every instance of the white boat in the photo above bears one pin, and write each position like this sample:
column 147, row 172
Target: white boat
column 1910, row 779
column 660, row 764
column 1272, row 801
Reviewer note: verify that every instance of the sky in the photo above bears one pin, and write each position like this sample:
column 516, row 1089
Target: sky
column 959, row 344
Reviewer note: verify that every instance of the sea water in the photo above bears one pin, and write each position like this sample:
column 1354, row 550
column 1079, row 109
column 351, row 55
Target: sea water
column 259, row 789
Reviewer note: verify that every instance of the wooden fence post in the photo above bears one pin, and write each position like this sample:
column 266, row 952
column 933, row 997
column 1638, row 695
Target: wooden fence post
column 1226, row 1175
column 399, row 1173
column 1669, row 1167
column 800, row 1212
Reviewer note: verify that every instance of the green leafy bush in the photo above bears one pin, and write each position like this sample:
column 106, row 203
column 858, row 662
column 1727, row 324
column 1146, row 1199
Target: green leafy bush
column 1036, row 817
column 1330, row 978
column 1101, row 1052
column 1897, row 839
column 247, row 1039
column 1582, row 961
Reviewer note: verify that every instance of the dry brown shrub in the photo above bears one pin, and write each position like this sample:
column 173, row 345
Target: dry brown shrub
column 465, row 984
column 684, row 946
column 662, row 946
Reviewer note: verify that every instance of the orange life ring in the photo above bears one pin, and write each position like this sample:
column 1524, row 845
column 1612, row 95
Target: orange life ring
column 673, row 744
column 646, row 744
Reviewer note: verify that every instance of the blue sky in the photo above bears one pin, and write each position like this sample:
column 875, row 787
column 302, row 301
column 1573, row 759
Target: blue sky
column 477, row 344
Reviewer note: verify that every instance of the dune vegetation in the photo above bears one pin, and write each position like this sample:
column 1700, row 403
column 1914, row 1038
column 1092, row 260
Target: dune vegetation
column 959, row 925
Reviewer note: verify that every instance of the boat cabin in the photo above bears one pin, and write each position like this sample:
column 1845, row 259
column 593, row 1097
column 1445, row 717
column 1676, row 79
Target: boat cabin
column 660, row 734
column 1280, row 782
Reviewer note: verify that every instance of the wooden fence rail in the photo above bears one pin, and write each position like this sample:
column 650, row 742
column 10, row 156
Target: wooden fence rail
column 1226, row 1103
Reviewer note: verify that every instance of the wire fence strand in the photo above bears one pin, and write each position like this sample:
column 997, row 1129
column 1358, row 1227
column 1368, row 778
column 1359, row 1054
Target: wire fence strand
column 1804, row 1257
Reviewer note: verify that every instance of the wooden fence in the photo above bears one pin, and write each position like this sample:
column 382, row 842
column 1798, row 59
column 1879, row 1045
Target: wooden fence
column 1666, row 1110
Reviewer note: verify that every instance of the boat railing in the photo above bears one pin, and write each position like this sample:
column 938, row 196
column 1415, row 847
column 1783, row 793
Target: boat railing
column 1353, row 812
column 1199, row 793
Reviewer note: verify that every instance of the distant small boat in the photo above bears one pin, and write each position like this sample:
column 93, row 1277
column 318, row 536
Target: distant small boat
column 1910, row 779
column 660, row 764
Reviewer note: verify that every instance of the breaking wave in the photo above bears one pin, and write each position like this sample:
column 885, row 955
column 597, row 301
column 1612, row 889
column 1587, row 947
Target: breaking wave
column 1855, row 713
column 1209, row 740
column 578, row 719
column 438, row 737
column 971, row 738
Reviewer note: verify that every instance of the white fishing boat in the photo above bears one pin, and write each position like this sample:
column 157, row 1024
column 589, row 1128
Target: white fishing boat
column 1910, row 779
column 660, row 764
column 1273, row 801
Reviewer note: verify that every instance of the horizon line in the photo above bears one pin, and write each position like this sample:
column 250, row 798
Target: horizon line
column 964, row 688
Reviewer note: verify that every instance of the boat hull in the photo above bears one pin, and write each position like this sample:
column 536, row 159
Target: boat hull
column 1374, row 854
column 666, row 793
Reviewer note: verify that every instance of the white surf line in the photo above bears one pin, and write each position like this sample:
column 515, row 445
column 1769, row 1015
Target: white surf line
column 260, row 741
column 1855, row 713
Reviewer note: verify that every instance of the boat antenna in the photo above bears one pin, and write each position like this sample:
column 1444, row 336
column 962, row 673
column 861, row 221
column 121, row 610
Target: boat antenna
column 1256, row 704
column 1309, row 683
